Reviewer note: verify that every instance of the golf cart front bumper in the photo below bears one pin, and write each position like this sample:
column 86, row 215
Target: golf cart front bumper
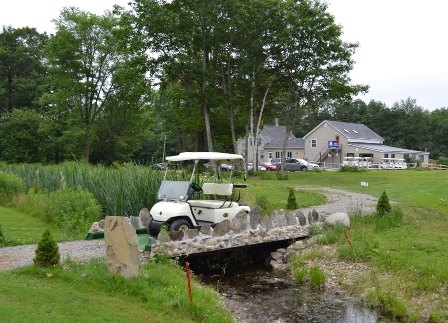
column 154, row 227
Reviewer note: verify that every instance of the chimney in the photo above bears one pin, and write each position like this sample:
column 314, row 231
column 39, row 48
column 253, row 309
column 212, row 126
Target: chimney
column 276, row 122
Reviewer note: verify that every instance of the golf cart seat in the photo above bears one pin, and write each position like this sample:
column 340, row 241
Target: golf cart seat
column 215, row 189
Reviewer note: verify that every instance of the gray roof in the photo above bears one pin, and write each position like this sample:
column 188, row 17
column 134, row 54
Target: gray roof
column 292, row 143
column 270, row 132
column 354, row 132
column 385, row 149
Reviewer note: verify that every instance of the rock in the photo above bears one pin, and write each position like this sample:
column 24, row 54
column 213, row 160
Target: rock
column 175, row 235
column 122, row 254
column 266, row 222
column 192, row 233
column 291, row 219
column 95, row 227
column 278, row 265
column 206, row 229
column 338, row 217
column 282, row 250
column 136, row 222
column 316, row 239
column 221, row 228
column 279, row 219
column 102, row 223
column 301, row 218
column 277, row 256
column 239, row 222
column 144, row 216
column 298, row 245
column 163, row 236
column 254, row 217
column 152, row 241
column 315, row 215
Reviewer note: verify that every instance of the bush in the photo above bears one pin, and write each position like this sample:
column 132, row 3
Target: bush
column 47, row 252
column 317, row 277
column 263, row 202
column 292, row 203
column 383, row 205
column 354, row 169
column 73, row 209
column 10, row 185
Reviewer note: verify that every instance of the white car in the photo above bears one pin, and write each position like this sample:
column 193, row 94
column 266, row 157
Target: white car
column 250, row 166
column 176, row 210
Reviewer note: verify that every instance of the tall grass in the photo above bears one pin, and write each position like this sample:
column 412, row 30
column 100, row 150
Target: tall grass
column 120, row 191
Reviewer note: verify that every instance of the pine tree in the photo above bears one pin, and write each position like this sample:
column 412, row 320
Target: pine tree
column 292, row 203
column 47, row 252
column 383, row 205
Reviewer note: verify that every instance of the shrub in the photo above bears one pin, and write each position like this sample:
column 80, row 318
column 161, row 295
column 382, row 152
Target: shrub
column 47, row 252
column 263, row 202
column 73, row 209
column 383, row 205
column 292, row 203
column 317, row 277
column 354, row 169
column 10, row 185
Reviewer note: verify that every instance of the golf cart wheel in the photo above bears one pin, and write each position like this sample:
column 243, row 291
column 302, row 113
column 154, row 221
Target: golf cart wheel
column 180, row 224
column 303, row 168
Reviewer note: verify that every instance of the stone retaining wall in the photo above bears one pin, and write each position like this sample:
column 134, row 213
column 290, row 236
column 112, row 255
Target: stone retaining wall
column 245, row 229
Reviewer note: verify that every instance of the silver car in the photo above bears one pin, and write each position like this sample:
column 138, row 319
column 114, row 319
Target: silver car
column 293, row 164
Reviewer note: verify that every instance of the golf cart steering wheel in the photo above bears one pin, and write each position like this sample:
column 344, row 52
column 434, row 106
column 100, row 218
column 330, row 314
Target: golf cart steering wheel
column 196, row 187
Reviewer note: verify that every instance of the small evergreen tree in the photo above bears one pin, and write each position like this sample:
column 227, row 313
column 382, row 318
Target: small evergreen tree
column 292, row 203
column 383, row 205
column 47, row 252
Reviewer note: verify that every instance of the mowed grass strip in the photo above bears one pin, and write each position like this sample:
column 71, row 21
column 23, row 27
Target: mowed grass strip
column 88, row 293
column 20, row 228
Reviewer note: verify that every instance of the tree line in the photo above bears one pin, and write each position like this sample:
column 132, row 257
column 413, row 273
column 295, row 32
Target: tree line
column 194, row 74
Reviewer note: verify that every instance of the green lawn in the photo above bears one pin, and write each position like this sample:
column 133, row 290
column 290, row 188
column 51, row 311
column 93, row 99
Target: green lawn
column 88, row 293
column 20, row 228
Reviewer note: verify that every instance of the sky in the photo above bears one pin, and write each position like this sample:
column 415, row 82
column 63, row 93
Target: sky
column 403, row 47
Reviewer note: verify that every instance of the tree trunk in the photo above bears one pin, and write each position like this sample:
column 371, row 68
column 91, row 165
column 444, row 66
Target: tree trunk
column 87, row 143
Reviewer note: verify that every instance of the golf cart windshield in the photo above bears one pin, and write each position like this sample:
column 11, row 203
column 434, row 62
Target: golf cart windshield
column 174, row 190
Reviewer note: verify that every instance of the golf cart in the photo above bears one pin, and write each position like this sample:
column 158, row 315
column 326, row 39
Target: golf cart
column 177, row 211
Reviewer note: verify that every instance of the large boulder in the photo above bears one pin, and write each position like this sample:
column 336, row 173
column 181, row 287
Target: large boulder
column 144, row 216
column 207, row 230
column 122, row 253
column 266, row 222
column 239, row 222
column 301, row 218
column 338, row 217
column 254, row 217
column 221, row 228
column 279, row 219
column 291, row 219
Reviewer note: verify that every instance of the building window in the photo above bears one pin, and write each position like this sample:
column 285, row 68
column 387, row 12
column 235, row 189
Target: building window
column 289, row 154
column 313, row 143
column 350, row 154
column 386, row 155
column 392, row 155
column 277, row 154
column 270, row 155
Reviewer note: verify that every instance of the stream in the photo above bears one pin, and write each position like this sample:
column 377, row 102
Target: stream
column 257, row 294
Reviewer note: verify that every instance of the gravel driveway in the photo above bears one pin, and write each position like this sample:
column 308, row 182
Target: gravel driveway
column 85, row 250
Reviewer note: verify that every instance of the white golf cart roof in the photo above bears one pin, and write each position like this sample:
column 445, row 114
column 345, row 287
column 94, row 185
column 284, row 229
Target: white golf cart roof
column 203, row 155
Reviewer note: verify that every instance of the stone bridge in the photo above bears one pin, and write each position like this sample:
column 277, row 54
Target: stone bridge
column 244, row 230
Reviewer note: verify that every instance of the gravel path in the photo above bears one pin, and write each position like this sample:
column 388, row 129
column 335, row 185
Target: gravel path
column 80, row 251
column 85, row 250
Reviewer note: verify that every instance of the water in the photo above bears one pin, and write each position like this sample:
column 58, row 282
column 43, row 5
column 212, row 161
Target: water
column 259, row 295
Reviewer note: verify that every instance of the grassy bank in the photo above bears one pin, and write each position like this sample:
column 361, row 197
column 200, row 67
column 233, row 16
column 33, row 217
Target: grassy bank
column 87, row 293
column 406, row 259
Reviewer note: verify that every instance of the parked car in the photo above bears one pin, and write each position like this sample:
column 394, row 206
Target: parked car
column 293, row 164
column 226, row 167
column 269, row 166
column 260, row 167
